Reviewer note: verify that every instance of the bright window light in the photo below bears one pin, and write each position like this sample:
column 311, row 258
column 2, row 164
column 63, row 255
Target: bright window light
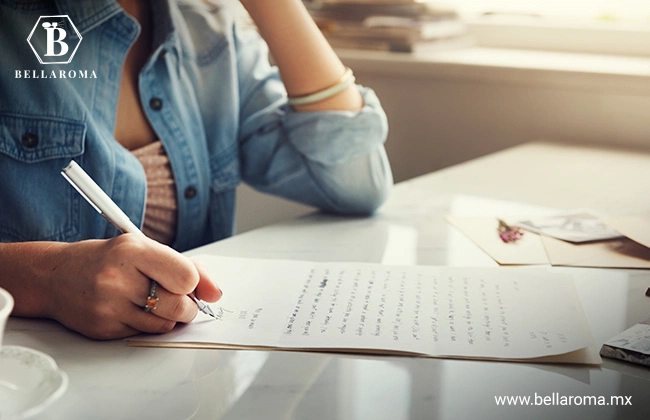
column 637, row 11
column 611, row 27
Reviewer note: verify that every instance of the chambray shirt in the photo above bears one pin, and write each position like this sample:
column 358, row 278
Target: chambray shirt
column 210, row 95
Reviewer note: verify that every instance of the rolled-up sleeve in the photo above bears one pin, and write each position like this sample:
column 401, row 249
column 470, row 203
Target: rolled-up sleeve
column 332, row 160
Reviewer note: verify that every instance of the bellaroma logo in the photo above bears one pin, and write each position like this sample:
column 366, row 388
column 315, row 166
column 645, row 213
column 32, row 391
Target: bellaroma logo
column 56, row 30
column 54, row 40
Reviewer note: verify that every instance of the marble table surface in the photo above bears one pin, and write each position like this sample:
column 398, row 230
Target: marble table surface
column 109, row 380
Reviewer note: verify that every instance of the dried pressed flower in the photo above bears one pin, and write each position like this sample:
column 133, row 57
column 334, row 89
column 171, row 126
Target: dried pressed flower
column 509, row 233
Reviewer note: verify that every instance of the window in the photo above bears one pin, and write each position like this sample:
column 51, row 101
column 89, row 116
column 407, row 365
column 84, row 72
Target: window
column 620, row 27
column 581, row 10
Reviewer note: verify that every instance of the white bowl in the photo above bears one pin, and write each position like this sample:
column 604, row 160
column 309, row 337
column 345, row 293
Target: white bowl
column 30, row 380
column 6, row 306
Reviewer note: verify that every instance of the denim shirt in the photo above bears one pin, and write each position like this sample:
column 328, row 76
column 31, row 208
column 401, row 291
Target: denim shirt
column 212, row 98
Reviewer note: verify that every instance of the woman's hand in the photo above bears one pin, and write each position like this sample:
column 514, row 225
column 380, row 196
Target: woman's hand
column 99, row 287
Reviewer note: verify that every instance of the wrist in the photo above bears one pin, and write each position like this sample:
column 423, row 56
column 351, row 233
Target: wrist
column 30, row 273
column 52, row 270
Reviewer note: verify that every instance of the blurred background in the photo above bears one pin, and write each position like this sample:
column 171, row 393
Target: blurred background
column 461, row 79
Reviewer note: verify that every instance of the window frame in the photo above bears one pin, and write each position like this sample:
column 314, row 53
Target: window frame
column 609, row 38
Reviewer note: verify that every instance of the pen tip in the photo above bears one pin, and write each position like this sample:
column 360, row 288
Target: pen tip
column 207, row 310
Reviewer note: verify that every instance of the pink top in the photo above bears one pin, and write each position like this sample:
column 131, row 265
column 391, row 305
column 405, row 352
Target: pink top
column 160, row 212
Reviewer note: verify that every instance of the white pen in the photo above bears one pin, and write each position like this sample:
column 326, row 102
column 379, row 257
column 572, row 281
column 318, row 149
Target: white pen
column 84, row 184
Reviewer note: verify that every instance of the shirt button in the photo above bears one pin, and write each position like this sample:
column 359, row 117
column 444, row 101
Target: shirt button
column 156, row 104
column 30, row 140
column 190, row 192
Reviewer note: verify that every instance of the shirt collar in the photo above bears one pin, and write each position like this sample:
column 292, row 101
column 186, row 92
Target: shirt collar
column 88, row 14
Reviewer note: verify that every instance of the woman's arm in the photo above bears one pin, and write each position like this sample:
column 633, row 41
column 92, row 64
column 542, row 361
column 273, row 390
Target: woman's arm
column 333, row 160
column 99, row 287
column 306, row 62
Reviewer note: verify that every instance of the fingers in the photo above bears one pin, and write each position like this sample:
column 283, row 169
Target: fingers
column 147, row 322
column 131, row 318
column 206, row 289
column 172, row 270
column 170, row 306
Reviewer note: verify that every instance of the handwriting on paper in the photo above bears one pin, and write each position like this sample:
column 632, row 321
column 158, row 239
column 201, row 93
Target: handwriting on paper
column 436, row 311
column 418, row 310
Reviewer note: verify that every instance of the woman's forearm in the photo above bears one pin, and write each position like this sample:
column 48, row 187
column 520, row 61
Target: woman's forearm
column 27, row 271
column 306, row 62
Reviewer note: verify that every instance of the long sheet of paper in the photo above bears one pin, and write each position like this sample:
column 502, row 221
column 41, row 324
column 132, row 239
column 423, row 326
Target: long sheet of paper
column 495, row 313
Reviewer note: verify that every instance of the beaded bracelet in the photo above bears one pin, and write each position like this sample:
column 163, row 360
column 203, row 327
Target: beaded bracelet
column 344, row 82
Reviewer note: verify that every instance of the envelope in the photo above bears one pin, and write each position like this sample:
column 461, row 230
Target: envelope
column 534, row 249
column 636, row 228
column 483, row 232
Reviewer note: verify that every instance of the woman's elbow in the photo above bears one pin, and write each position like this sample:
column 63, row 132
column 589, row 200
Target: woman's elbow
column 365, row 187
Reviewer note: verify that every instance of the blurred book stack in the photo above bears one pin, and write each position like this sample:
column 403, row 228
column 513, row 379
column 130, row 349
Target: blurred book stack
column 389, row 25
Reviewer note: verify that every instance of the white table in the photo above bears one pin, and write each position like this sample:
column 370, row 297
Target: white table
column 111, row 381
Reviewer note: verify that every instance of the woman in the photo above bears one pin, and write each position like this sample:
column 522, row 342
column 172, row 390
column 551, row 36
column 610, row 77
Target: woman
column 184, row 106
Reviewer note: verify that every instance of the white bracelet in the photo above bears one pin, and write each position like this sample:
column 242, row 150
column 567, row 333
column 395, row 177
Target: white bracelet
column 344, row 82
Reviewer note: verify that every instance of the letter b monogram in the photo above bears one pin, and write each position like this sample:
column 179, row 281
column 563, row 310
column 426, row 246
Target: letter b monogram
column 55, row 35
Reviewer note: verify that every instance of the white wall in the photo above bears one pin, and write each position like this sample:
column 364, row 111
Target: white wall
column 447, row 110
column 256, row 210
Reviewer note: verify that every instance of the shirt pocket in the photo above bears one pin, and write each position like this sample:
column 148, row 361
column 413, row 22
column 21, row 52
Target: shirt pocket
column 36, row 202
